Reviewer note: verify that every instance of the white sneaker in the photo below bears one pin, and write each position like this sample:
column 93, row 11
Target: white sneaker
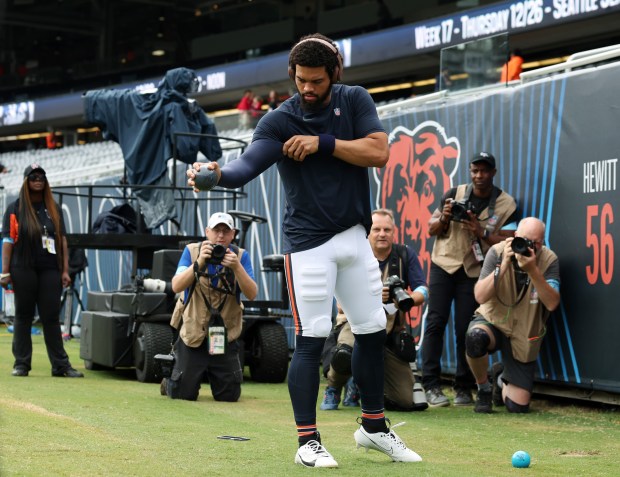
column 390, row 444
column 313, row 454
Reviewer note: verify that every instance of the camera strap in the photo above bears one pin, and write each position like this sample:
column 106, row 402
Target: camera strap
column 216, row 330
column 215, row 312
column 224, row 277
column 521, row 294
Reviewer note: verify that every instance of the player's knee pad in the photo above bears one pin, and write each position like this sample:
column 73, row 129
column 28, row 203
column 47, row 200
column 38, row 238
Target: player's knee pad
column 321, row 328
column 512, row 406
column 477, row 342
column 341, row 360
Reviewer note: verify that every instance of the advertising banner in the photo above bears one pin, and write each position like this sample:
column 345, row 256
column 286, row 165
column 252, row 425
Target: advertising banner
column 557, row 147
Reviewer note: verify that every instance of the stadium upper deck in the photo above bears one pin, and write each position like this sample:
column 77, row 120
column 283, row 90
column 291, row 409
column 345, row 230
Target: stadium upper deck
column 386, row 55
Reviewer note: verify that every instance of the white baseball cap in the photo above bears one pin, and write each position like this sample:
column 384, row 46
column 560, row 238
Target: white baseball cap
column 221, row 218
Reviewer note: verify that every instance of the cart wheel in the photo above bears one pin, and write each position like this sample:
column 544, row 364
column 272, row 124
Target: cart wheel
column 151, row 339
column 268, row 358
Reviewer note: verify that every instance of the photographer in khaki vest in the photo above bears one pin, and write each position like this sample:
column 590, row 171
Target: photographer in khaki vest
column 519, row 286
column 213, row 275
column 470, row 218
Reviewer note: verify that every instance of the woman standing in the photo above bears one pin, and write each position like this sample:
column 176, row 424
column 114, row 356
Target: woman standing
column 35, row 263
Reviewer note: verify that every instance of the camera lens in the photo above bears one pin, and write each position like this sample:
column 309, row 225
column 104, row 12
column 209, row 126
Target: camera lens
column 217, row 254
column 521, row 246
column 459, row 212
column 398, row 294
column 404, row 301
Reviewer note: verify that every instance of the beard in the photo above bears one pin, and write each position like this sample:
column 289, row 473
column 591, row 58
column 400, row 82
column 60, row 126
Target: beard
column 315, row 105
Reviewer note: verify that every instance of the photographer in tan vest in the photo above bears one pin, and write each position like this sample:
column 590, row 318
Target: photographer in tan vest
column 470, row 219
column 519, row 286
column 212, row 274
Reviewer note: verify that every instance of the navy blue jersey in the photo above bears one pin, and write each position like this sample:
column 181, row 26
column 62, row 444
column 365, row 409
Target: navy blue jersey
column 324, row 195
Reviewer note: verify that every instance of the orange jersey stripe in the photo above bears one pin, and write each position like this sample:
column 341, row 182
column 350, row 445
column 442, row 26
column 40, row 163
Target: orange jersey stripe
column 291, row 293
column 13, row 228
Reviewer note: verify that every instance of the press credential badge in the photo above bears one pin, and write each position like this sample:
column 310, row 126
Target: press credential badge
column 217, row 340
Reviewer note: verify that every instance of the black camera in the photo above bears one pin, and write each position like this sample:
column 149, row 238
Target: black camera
column 521, row 246
column 166, row 364
column 217, row 254
column 459, row 211
column 398, row 294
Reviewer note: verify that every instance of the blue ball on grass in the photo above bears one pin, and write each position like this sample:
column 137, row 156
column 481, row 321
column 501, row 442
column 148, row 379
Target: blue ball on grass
column 521, row 459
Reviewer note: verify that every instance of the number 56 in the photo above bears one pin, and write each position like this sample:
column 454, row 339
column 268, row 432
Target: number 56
column 603, row 249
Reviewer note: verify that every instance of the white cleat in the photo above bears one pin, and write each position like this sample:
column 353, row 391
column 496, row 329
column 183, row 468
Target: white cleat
column 313, row 454
column 390, row 444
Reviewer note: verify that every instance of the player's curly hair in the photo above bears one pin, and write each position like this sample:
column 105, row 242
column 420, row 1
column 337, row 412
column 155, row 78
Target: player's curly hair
column 313, row 54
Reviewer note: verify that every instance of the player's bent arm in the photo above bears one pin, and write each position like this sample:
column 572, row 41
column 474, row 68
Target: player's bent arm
column 370, row 151
column 257, row 158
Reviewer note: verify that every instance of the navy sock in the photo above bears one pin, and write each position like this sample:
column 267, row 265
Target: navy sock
column 305, row 438
column 368, row 373
column 303, row 385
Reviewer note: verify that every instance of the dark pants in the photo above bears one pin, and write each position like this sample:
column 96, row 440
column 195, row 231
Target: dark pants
column 40, row 289
column 192, row 364
column 443, row 289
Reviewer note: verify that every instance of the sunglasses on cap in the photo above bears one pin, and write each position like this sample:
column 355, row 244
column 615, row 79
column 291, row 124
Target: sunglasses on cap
column 37, row 178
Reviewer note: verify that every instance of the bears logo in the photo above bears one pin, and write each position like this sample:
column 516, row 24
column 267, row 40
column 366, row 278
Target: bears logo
column 421, row 168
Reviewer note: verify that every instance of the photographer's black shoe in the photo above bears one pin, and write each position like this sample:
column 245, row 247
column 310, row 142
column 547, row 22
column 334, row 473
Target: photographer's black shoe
column 19, row 372
column 67, row 373
column 484, row 402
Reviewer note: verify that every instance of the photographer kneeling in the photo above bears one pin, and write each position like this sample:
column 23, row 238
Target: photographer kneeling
column 519, row 286
column 400, row 269
column 213, row 274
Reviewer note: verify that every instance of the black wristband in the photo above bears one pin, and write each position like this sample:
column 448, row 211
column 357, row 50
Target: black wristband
column 327, row 144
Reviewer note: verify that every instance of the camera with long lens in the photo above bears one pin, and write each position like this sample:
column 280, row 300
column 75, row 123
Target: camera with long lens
column 166, row 364
column 459, row 211
column 403, row 300
column 521, row 246
column 217, row 254
column 153, row 285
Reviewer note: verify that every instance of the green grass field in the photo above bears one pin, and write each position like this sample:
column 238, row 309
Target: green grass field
column 109, row 424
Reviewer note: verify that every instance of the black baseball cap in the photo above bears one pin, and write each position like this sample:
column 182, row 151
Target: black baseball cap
column 34, row 167
column 484, row 157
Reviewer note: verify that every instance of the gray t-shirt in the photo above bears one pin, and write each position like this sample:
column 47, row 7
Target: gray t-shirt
column 551, row 275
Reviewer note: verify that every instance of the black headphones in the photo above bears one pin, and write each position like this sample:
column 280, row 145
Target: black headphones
column 336, row 76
